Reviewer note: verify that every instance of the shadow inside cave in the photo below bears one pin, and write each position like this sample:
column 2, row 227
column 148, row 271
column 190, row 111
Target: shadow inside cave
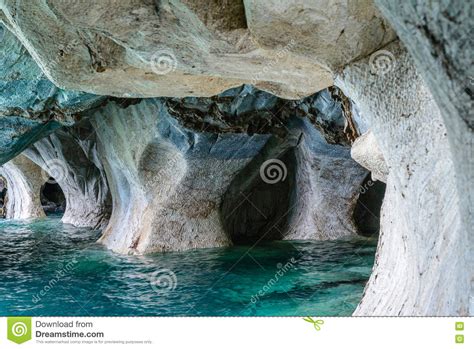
column 53, row 200
column 367, row 209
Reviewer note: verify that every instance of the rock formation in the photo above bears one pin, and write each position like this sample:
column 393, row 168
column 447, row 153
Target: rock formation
column 421, row 231
column 31, row 107
column 439, row 39
column 298, row 187
column 172, row 189
column 161, row 155
column 24, row 181
column 148, row 48
column 366, row 152
column 70, row 157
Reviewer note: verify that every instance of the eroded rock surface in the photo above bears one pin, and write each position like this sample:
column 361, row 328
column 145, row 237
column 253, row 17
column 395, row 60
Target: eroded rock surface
column 132, row 49
column 171, row 186
column 439, row 38
column 167, row 184
column 333, row 32
column 31, row 106
column 421, row 262
column 366, row 152
column 24, row 181
column 70, row 157
column 297, row 187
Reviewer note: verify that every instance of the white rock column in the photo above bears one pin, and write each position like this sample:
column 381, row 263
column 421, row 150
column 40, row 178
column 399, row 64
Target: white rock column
column 166, row 182
column 70, row 157
column 421, row 265
column 24, row 182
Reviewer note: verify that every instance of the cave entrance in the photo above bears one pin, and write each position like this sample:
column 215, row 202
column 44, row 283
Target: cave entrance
column 256, row 206
column 369, row 203
column 53, row 200
column 3, row 197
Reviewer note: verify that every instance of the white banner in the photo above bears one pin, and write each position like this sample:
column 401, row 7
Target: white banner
column 248, row 332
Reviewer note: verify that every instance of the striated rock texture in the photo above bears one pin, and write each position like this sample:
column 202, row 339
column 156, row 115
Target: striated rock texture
column 366, row 152
column 421, row 262
column 297, row 187
column 24, row 181
column 31, row 107
column 177, row 188
column 149, row 48
column 439, row 38
column 167, row 184
column 70, row 157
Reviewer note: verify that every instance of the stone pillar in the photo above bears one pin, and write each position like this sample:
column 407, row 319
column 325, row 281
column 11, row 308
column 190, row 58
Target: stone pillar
column 421, row 261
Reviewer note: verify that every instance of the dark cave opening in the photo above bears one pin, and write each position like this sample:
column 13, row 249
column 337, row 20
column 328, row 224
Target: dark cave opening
column 368, row 206
column 3, row 197
column 53, row 200
column 257, row 203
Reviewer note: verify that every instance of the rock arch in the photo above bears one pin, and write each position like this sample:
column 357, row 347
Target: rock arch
column 24, row 180
column 69, row 156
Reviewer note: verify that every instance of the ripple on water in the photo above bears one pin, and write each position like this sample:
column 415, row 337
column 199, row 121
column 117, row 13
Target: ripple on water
column 326, row 279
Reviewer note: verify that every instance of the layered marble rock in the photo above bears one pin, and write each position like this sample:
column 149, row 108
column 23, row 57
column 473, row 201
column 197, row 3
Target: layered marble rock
column 298, row 187
column 421, row 261
column 439, row 38
column 70, row 157
column 148, row 48
column 177, row 187
column 24, row 181
column 167, row 184
column 31, row 106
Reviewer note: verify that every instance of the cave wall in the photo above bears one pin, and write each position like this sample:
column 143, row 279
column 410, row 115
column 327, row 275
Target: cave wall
column 298, row 187
column 197, row 162
column 439, row 39
column 421, row 261
column 24, row 181
column 31, row 106
column 167, row 184
column 70, row 157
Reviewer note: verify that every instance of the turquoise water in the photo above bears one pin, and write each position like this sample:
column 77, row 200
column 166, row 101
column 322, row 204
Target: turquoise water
column 51, row 269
